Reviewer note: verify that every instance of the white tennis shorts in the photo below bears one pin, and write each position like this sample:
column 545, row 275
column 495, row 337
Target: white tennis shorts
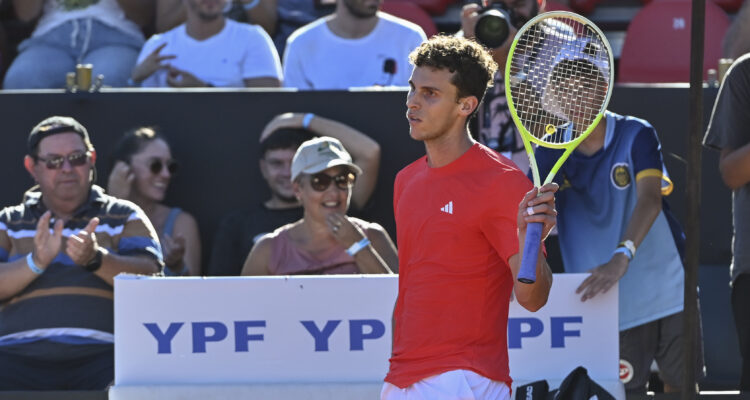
column 458, row 384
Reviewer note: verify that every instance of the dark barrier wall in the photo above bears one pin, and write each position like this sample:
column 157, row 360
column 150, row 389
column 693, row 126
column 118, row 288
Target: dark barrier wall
column 214, row 134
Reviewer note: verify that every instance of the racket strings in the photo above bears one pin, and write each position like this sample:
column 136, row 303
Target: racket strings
column 561, row 70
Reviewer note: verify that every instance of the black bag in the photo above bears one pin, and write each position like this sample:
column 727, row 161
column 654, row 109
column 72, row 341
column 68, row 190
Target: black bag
column 576, row 386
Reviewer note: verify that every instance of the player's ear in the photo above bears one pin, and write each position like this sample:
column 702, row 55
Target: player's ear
column 468, row 104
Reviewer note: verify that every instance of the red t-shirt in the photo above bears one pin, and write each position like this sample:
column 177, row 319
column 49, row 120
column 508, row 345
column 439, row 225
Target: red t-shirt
column 456, row 229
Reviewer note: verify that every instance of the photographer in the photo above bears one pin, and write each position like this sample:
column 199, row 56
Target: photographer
column 494, row 126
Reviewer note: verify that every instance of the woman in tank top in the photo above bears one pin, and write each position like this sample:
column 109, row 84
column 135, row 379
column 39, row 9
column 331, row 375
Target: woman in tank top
column 325, row 240
column 143, row 168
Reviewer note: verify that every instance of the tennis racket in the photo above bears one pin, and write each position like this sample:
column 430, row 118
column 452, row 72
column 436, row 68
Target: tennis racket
column 558, row 81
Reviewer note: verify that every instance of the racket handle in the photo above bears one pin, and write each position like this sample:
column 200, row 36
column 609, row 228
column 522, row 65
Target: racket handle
column 527, row 272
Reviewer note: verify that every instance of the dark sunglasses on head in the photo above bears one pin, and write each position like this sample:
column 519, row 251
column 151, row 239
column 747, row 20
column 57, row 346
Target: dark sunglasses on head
column 56, row 162
column 157, row 165
column 321, row 181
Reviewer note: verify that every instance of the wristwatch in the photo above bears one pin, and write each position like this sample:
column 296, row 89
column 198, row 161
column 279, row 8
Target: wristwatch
column 95, row 262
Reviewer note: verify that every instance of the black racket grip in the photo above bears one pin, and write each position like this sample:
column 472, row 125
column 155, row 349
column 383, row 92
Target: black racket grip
column 527, row 272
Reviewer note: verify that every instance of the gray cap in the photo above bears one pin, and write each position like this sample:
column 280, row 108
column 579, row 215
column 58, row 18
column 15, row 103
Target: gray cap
column 319, row 154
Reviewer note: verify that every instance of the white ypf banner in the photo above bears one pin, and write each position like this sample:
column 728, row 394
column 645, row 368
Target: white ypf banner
column 306, row 329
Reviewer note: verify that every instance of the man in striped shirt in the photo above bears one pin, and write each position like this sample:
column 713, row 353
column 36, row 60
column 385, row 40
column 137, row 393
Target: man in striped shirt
column 59, row 252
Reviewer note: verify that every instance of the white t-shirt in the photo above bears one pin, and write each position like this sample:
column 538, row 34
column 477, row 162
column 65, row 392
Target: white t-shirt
column 240, row 51
column 57, row 12
column 315, row 58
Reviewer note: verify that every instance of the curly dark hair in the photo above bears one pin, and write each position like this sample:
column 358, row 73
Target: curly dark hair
column 471, row 64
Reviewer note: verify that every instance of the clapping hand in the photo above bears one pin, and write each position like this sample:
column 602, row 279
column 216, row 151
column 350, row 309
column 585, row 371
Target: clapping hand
column 46, row 244
column 81, row 247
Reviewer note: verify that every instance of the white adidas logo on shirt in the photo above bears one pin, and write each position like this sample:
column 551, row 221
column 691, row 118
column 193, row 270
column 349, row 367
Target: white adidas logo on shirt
column 448, row 208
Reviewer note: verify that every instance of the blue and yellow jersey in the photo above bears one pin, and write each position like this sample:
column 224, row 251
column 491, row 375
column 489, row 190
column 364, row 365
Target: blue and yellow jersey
column 596, row 199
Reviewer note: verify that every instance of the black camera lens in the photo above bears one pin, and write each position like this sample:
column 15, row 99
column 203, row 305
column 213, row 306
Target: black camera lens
column 492, row 28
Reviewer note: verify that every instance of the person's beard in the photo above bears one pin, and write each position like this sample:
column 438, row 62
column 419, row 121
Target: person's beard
column 205, row 17
column 358, row 13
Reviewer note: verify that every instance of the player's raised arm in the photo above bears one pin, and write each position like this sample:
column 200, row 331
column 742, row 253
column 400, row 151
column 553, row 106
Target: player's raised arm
column 535, row 208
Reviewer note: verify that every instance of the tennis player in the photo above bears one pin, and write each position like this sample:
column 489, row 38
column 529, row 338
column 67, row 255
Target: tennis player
column 461, row 213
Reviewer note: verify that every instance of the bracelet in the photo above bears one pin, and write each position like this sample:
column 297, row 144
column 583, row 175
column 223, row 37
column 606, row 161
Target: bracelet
column 624, row 250
column 307, row 119
column 250, row 5
column 630, row 246
column 356, row 247
column 32, row 265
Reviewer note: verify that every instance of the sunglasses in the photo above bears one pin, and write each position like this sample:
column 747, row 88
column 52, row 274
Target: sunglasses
column 320, row 181
column 157, row 165
column 56, row 162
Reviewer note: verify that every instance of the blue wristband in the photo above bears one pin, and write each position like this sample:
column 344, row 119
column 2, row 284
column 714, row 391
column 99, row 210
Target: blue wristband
column 307, row 119
column 624, row 250
column 356, row 247
column 32, row 265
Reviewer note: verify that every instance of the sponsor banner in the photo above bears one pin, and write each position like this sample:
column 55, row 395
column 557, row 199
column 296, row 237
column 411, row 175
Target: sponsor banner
column 564, row 334
column 310, row 329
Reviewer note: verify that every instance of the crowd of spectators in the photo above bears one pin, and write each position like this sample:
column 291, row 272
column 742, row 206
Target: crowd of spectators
column 199, row 43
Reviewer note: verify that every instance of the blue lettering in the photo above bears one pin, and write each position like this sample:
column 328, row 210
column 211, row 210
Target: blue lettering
column 321, row 337
column 557, row 327
column 515, row 333
column 164, row 339
column 242, row 336
column 357, row 333
column 201, row 337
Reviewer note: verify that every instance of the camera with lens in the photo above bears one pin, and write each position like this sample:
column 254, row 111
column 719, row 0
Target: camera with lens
column 493, row 24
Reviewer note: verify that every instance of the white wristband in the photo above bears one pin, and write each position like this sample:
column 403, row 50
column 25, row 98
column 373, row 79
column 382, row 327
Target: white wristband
column 356, row 247
column 629, row 245
column 32, row 264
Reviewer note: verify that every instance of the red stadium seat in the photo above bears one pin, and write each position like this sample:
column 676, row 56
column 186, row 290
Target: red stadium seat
column 434, row 7
column 730, row 6
column 657, row 42
column 411, row 12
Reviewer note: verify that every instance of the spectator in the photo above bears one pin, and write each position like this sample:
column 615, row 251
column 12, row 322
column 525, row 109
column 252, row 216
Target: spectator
column 68, row 32
column 239, row 231
column 209, row 50
column 727, row 132
column 736, row 41
column 612, row 189
column 325, row 240
column 60, row 250
column 282, row 17
column 355, row 46
column 143, row 168
column 494, row 126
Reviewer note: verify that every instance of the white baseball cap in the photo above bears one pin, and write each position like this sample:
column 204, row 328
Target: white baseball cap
column 319, row 154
